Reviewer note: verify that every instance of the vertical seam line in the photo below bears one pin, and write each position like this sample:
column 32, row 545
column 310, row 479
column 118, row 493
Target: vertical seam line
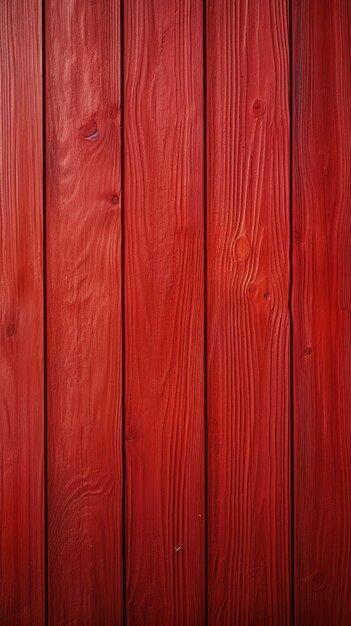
column 205, row 309
column 45, row 348
column 291, row 363
column 123, row 351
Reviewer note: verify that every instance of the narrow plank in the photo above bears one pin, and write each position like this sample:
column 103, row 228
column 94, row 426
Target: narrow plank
column 21, row 314
column 248, row 316
column 321, row 310
column 83, row 312
column 163, row 96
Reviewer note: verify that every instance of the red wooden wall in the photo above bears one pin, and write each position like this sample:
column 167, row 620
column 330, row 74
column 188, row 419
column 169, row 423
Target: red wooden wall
column 175, row 296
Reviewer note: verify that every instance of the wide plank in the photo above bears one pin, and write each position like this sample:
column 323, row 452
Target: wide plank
column 321, row 310
column 21, row 316
column 247, row 60
column 83, row 243
column 164, row 311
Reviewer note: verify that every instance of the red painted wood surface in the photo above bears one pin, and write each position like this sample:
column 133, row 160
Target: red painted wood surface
column 176, row 196
column 21, row 315
column 83, row 226
column 164, row 311
column 248, row 319
column 321, row 310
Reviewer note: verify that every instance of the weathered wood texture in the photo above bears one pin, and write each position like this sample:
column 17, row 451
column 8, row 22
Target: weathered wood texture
column 211, row 217
column 83, row 311
column 248, row 318
column 21, row 315
column 321, row 213
column 164, row 311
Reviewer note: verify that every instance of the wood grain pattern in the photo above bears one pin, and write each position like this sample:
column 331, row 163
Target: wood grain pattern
column 239, row 101
column 83, row 312
column 321, row 310
column 163, row 97
column 21, row 315
column 248, row 320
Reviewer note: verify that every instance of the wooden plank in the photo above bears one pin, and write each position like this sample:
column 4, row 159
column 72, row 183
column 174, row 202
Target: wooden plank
column 21, row 314
column 163, row 96
column 321, row 309
column 83, row 312
column 248, row 320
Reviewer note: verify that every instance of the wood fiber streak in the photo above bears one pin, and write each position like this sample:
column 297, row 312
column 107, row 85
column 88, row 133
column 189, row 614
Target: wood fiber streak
column 321, row 310
column 247, row 315
column 163, row 98
column 83, row 312
column 21, row 316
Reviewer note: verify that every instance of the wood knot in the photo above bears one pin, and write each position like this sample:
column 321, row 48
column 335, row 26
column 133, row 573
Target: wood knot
column 307, row 351
column 267, row 295
column 115, row 199
column 10, row 331
column 258, row 107
column 89, row 131
column 242, row 248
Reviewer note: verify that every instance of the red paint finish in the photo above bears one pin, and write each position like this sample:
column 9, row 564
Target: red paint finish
column 83, row 226
column 248, row 320
column 164, row 311
column 168, row 465
column 321, row 310
column 21, row 317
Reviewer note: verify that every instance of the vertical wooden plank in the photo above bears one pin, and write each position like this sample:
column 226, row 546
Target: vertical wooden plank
column 164, row 298
column 21, row 302
column 83, row 311
column 321, row 309
column 248, row 320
